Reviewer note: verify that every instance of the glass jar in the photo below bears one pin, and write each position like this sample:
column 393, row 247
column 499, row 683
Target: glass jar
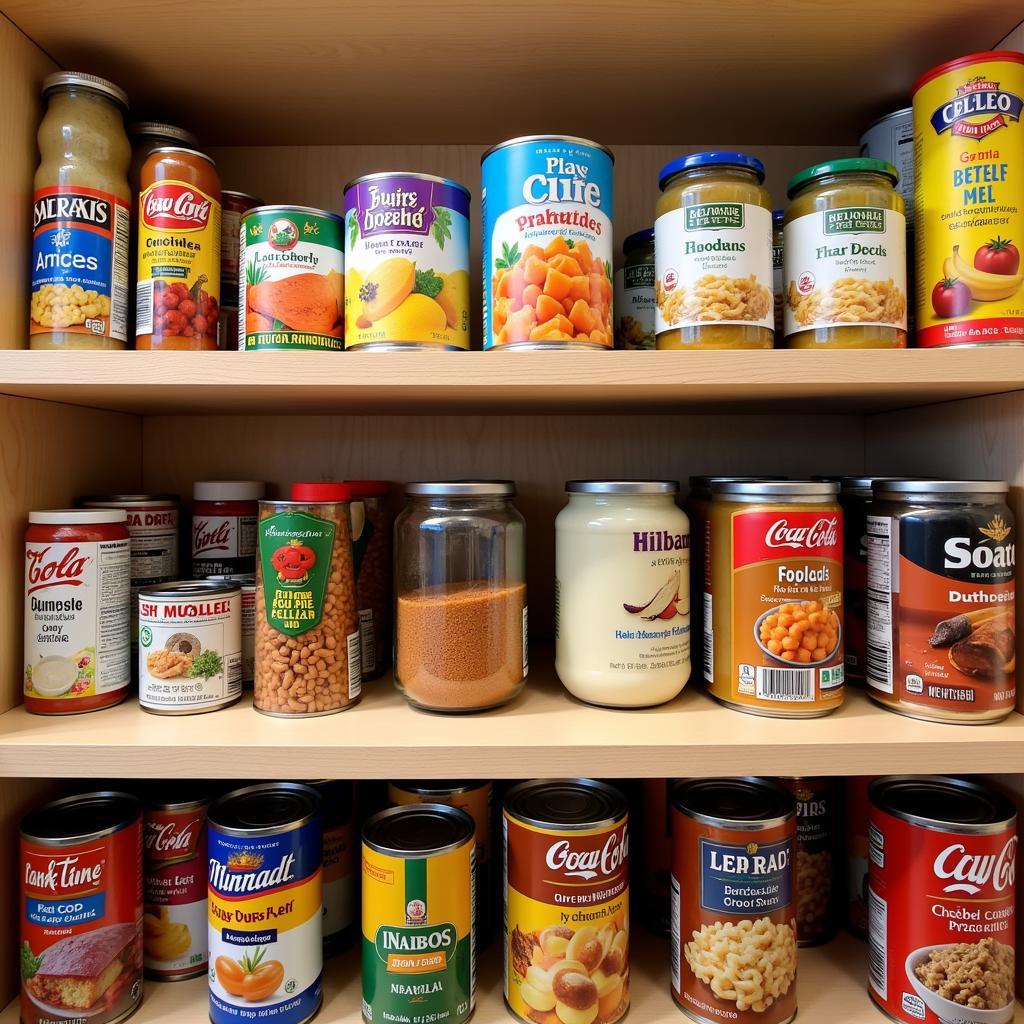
column 81, row 214
column 460, row 588
column 778, row 273
column 713, row 254
column 634, row 293
column 846, row 257
column 224, row 514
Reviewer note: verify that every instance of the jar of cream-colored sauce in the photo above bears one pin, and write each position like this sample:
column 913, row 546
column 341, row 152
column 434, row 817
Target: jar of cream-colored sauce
column 622, row 592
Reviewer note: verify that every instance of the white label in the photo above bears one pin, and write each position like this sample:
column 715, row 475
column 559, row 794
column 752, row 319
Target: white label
column 709, row 639
column 846, row 268
column 355, row 666
column 190, row 652
column 221, row 545
column 248, row 634
column 76, row 618
column 635, row 307
column 367, row 640
column 168, row 926
column 879, row 667
column 714, row 265
column 878, row 942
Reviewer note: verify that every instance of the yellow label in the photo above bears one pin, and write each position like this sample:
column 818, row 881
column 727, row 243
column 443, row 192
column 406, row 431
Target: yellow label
column 283, row 909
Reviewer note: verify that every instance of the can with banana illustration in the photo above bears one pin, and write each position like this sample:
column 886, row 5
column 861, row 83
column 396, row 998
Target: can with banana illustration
column 419, row 956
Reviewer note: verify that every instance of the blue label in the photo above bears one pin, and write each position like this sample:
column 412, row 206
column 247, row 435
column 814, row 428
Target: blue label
column 65, row 912
column 298, row 1007
column 746, row 878
column 238, row 938
column 241, row 866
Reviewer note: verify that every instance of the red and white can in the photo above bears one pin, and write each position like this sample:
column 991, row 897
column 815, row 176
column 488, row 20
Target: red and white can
column 174, row 864
column 941, row 901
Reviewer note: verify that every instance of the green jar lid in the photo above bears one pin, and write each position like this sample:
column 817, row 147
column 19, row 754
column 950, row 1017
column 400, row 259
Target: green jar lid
column 853, row 165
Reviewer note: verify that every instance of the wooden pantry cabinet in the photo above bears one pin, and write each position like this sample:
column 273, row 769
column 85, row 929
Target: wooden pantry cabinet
column 293, row 101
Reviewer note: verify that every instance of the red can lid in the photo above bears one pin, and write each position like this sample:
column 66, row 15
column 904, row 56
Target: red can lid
column 962, row 62
column 321, row 491
column 369, row 488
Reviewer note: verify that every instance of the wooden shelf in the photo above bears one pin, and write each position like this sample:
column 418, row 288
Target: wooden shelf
column 544, row 732
column 542, row 381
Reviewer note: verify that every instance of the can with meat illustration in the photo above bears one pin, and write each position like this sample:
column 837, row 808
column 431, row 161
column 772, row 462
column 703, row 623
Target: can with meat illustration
column 81, row 910
column 941, row 901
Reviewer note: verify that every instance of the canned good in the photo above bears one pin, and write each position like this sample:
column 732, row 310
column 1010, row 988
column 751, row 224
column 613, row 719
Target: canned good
column 224, row 517
column 419, row 957
column 340, row 844
column 891, row 138
column 233, row 206
column 634, row 293
column 969, row 181
column 941, row 901
column 174, row 866
column 773, row 598
column 246, row 582
column 190, row 647
column 291, row 279
column 266, row 904
column 566, row 901
column 374, row 572
column 81, row 909
column 547, row 213
column 734, row 947
column 941, row 599
column 407, row 282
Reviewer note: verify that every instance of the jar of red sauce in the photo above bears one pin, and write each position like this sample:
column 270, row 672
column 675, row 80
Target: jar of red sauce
column 178, row 290
column 224, row 517
column 77, row 587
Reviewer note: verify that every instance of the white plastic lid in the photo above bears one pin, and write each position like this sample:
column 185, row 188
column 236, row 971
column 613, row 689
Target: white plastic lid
column 228, row 490
column 78, row 516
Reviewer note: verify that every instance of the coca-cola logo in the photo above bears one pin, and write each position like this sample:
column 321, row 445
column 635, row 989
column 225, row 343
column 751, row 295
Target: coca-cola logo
column 169, row 204
column 207, row 537
column 969, row 873
column 63, row 875
column 588, row 864
column 824, row 533
column 174, row 839
column 42, row 570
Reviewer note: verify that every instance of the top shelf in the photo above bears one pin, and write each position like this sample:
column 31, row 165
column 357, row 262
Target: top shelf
column 502, row 382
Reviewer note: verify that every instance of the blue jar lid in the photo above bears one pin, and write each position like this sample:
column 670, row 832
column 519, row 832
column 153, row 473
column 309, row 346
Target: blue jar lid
column 715, row 158
column 636, row 239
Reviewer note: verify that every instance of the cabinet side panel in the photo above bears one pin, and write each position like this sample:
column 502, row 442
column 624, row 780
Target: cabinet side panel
column 1014, row 41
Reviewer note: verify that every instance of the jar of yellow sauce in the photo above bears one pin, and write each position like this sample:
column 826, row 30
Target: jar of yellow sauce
column 845, row 255
column 713, row 254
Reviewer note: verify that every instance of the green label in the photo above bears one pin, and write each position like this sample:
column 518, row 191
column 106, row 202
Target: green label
column 292, row 340
column 854, row 220
column 705, row 216
column 416, row 942
column 295, row 555
column 285, row 228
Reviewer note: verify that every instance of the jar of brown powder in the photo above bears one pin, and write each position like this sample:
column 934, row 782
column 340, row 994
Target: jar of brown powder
column 460, row 584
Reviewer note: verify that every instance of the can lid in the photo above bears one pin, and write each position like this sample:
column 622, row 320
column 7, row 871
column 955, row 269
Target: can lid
column 79, row 818
column 622, row 486
column 566, row 805
column 176, row 794
column 228, row 490
column 463, row 489
column 235, row 194
column 1014, row 56
column 189, row 588
column 939, row 802
column 65, row 79
column 415, row 175
column 439, row 787
column 418, row 830
column 904, row 112
column 643, row 237
column 117, row 500
column 159, row 130
column 777, row 488
column 712, row 158
column 887, row 485
column 242, row 579
column 266, row 809
column 735, row 803
column 290, row 211
column 707, row 481
column 187, row 150
column 369, row 488
column 572, row 139
column 78, row 516
column 849, row 165
column 321, row 491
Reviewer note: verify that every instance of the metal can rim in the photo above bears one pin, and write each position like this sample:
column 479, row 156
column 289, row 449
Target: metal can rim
column 298, row 789
column 775, row 489
column 637, row 487
column 129, row 500
column 189, row 588
column 55, row 806
column 876, row 796
column 417, row 175
column 284, row 208
column 906, row 486
column 456, row 814
column 907, row 112
column 434, row 789
column 617, row 803
column 520, row 140
column 982, row 57
column 680, row 790
column 181, row 149
column 82, row 79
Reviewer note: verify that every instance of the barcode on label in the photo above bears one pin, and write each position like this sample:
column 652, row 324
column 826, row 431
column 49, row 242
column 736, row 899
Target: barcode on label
column 786, row 684
column 144, row 308
column 676, row 951
column 878, row 928
column 709, row 641
column 355, row 666
column 879, row 666
column 526, row 641
column 473, row 926
column 367, row 639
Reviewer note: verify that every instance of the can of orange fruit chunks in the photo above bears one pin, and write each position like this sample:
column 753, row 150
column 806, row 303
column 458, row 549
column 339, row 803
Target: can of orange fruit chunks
column 291, row 267
column 547, row 213
column 407, row 271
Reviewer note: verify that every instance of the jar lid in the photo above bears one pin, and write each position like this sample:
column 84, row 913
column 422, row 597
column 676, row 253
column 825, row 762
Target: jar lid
column 64, row 79
column 777, row 488
column 707, row 481
column 188, row 151
column 159, row 130
column 713, row 158
column 121, row 500
column 622, row 486
column 851, row 165
column 858, row 483
column 897, row 486
column 228, row 490
column 322, row 492
column 463, row 489
column 369, row 488
column 78, row 516
column 638, row 238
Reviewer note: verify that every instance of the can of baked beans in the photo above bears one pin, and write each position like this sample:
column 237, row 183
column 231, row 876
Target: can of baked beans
column 818, row 828
column 941, row 901
column 419, row 890
column 266, row 904
column 856, row 814
column 734, row 901
column 341, row 841
column 174, row 865
column 81, row 910
column 941, row 600
column 566, row 901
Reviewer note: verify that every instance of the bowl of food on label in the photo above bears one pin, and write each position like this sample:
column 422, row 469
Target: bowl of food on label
column 798, row 633
column 965, row 982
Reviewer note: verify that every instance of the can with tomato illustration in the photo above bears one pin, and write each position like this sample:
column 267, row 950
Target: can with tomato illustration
column 969, row 201
column 81, row 910
column 941, row 901
column 266, row 904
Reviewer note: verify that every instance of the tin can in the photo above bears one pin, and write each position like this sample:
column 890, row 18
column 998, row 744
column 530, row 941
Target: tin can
column 547, row 213
column 190, row 647
column 246, row 582
column 475, row 799
column 941, row 600
column 635, row 305
column 941, row 901
column 174, row 865
column 291, row 279
column 266, row 904
column 818, row 828
column 233, row 206
column 566, row 901
column 340, row 844
column 178, row 290
column 969, row 201
column 419, row 956
column 373, row 540
column 734, row 947
column 407, row 282
column 891, row 138
column 855, row 810
column 81, row 909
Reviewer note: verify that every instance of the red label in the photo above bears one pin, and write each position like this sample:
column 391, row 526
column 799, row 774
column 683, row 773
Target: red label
column 787, row 533
column 170, row 205
column 972, row 332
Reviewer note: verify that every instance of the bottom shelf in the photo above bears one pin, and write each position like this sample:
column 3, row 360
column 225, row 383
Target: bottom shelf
column 832, row 983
